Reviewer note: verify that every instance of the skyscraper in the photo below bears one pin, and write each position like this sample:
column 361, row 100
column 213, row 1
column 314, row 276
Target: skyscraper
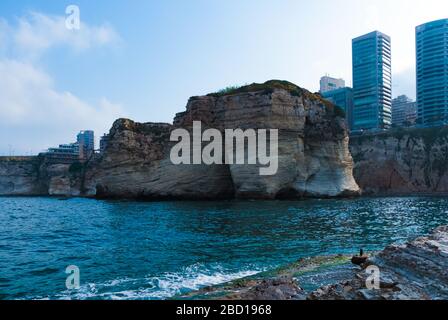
column 329, row 84
column 432, row 73
column 404, row 111
column 103, row 143
column 86, row 141
column 343, row 98
column 372, row 82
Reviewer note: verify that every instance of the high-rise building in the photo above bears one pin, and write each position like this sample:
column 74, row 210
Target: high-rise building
column 103, row 143
column 329, row 84
column 372, row 82
column 432, row 73
column 86, row 141
column 404, row 111
column 343, row 98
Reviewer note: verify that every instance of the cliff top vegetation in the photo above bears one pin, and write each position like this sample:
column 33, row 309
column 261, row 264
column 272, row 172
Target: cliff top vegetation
column 271, row 85
column 429, row 135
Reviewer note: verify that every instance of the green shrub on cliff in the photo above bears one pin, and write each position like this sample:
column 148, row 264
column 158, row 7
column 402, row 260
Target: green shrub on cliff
column 267, row 86
column 228, row 90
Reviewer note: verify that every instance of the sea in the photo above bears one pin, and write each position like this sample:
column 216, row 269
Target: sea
column 160, row 250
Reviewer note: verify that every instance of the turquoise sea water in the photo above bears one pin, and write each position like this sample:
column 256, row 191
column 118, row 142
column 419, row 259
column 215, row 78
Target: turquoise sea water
column 138, row 250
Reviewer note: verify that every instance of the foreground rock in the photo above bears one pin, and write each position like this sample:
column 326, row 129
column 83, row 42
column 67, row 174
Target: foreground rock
column 314, row 158
column 402, row 162
column 283, row 288
column 278, row 284
column 417, row 270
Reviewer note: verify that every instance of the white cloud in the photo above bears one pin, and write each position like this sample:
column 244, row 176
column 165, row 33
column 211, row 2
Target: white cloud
column 37, row 33
column 34, row 115
column 4, row 36
column 30, row 104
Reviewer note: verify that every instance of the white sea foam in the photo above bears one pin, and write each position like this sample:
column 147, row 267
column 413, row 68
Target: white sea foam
column 163, row 286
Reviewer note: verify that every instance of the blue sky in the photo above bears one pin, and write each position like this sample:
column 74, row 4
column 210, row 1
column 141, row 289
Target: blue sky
column 142, row 59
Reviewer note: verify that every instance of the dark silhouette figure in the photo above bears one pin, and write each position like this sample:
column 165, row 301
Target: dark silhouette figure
column 361, row 259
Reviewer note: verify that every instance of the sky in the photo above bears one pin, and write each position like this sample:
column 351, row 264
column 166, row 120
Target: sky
column 143, row 59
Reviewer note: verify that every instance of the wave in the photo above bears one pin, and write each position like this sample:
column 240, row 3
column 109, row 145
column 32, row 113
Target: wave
column 160, row 287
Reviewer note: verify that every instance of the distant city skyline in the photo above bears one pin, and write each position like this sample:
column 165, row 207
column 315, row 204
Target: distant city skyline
column 144, row 60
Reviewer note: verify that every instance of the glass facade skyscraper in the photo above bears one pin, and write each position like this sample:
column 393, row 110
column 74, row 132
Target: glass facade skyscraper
column 343, row 98
column 372, row 82
column 432, row 73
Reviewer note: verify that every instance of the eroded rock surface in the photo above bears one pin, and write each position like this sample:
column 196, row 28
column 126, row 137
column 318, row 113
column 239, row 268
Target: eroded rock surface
column 313, row 155
column 417, row 270
column 278, row 284
column 21, row 176
column 283, row 288
column 34, row 176
column 402, row 162
column 137, row 165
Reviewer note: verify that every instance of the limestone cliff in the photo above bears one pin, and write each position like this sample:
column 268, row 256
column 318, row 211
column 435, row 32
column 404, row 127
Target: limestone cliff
column 34, row 176
column 313, row 155
column 21, row 176
column 136, row 164
column 402, row 161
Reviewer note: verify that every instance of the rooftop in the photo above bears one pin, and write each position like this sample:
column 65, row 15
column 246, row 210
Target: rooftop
column 372, row 34
column 431, row 24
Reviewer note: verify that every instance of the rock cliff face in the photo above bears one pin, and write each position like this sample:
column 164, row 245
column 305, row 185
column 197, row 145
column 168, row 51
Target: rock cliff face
column 402, row 162
column 313, row 154
column 34, row 176
column 63, row 179
column 21, row 176
column 414, row 271
column 136, row 164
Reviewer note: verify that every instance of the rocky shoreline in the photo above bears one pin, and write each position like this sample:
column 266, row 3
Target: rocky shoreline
column 277, row 284
column 416, row 270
